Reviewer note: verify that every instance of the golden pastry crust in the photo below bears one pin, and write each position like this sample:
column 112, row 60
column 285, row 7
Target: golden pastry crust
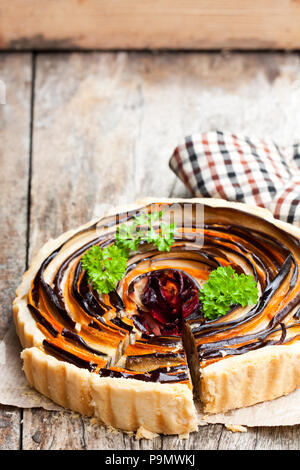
column 161, row 408
column 121, row 403
column 251, row 378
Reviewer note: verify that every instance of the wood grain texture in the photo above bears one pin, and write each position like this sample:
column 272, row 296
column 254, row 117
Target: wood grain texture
column 104, row 128
column 168, row 24
column 283, row 437
column 52, row 431
column 9, row 428
column 15, row 74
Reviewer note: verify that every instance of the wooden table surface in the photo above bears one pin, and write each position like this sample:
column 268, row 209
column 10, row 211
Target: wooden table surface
column 83, row 130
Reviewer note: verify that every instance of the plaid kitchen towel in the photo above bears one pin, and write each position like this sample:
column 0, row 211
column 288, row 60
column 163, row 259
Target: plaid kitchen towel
column 237, row 168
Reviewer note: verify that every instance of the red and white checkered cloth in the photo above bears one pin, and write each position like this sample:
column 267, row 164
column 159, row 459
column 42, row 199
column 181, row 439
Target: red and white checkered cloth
column 237, row 168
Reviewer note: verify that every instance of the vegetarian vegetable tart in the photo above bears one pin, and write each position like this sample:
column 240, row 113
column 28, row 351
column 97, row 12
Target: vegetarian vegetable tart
column 127, row 317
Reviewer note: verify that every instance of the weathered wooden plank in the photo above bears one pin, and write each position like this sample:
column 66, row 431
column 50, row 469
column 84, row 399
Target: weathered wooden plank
column 53, row 430
column 9, row 428
column 15, row 76
column 64, row 430
column 207, row 438
column 98, row 438
column 239, row 440
column 105, row 126
column 278, row 438
column 171, row 24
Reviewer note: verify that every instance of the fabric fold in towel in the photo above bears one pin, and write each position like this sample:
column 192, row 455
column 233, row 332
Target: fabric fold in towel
column 239, row 168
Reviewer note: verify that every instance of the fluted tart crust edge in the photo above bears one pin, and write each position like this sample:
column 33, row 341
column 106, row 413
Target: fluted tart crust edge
column 121, row 403
column 251, row 378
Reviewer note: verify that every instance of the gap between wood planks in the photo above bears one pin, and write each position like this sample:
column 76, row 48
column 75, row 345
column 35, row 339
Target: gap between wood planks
column 33, row 71
column 14, row 152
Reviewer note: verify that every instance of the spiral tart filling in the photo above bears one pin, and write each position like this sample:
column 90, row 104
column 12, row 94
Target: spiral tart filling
column 151, row 328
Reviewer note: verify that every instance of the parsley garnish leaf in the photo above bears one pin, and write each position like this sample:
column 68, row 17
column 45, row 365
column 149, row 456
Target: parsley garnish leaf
column 129, row 236
column 225, row 288
column 105, row 266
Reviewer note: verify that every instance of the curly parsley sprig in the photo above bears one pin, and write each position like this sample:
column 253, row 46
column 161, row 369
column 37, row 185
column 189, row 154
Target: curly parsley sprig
column 105, row 267
column 225, row 288
column 130, row 236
